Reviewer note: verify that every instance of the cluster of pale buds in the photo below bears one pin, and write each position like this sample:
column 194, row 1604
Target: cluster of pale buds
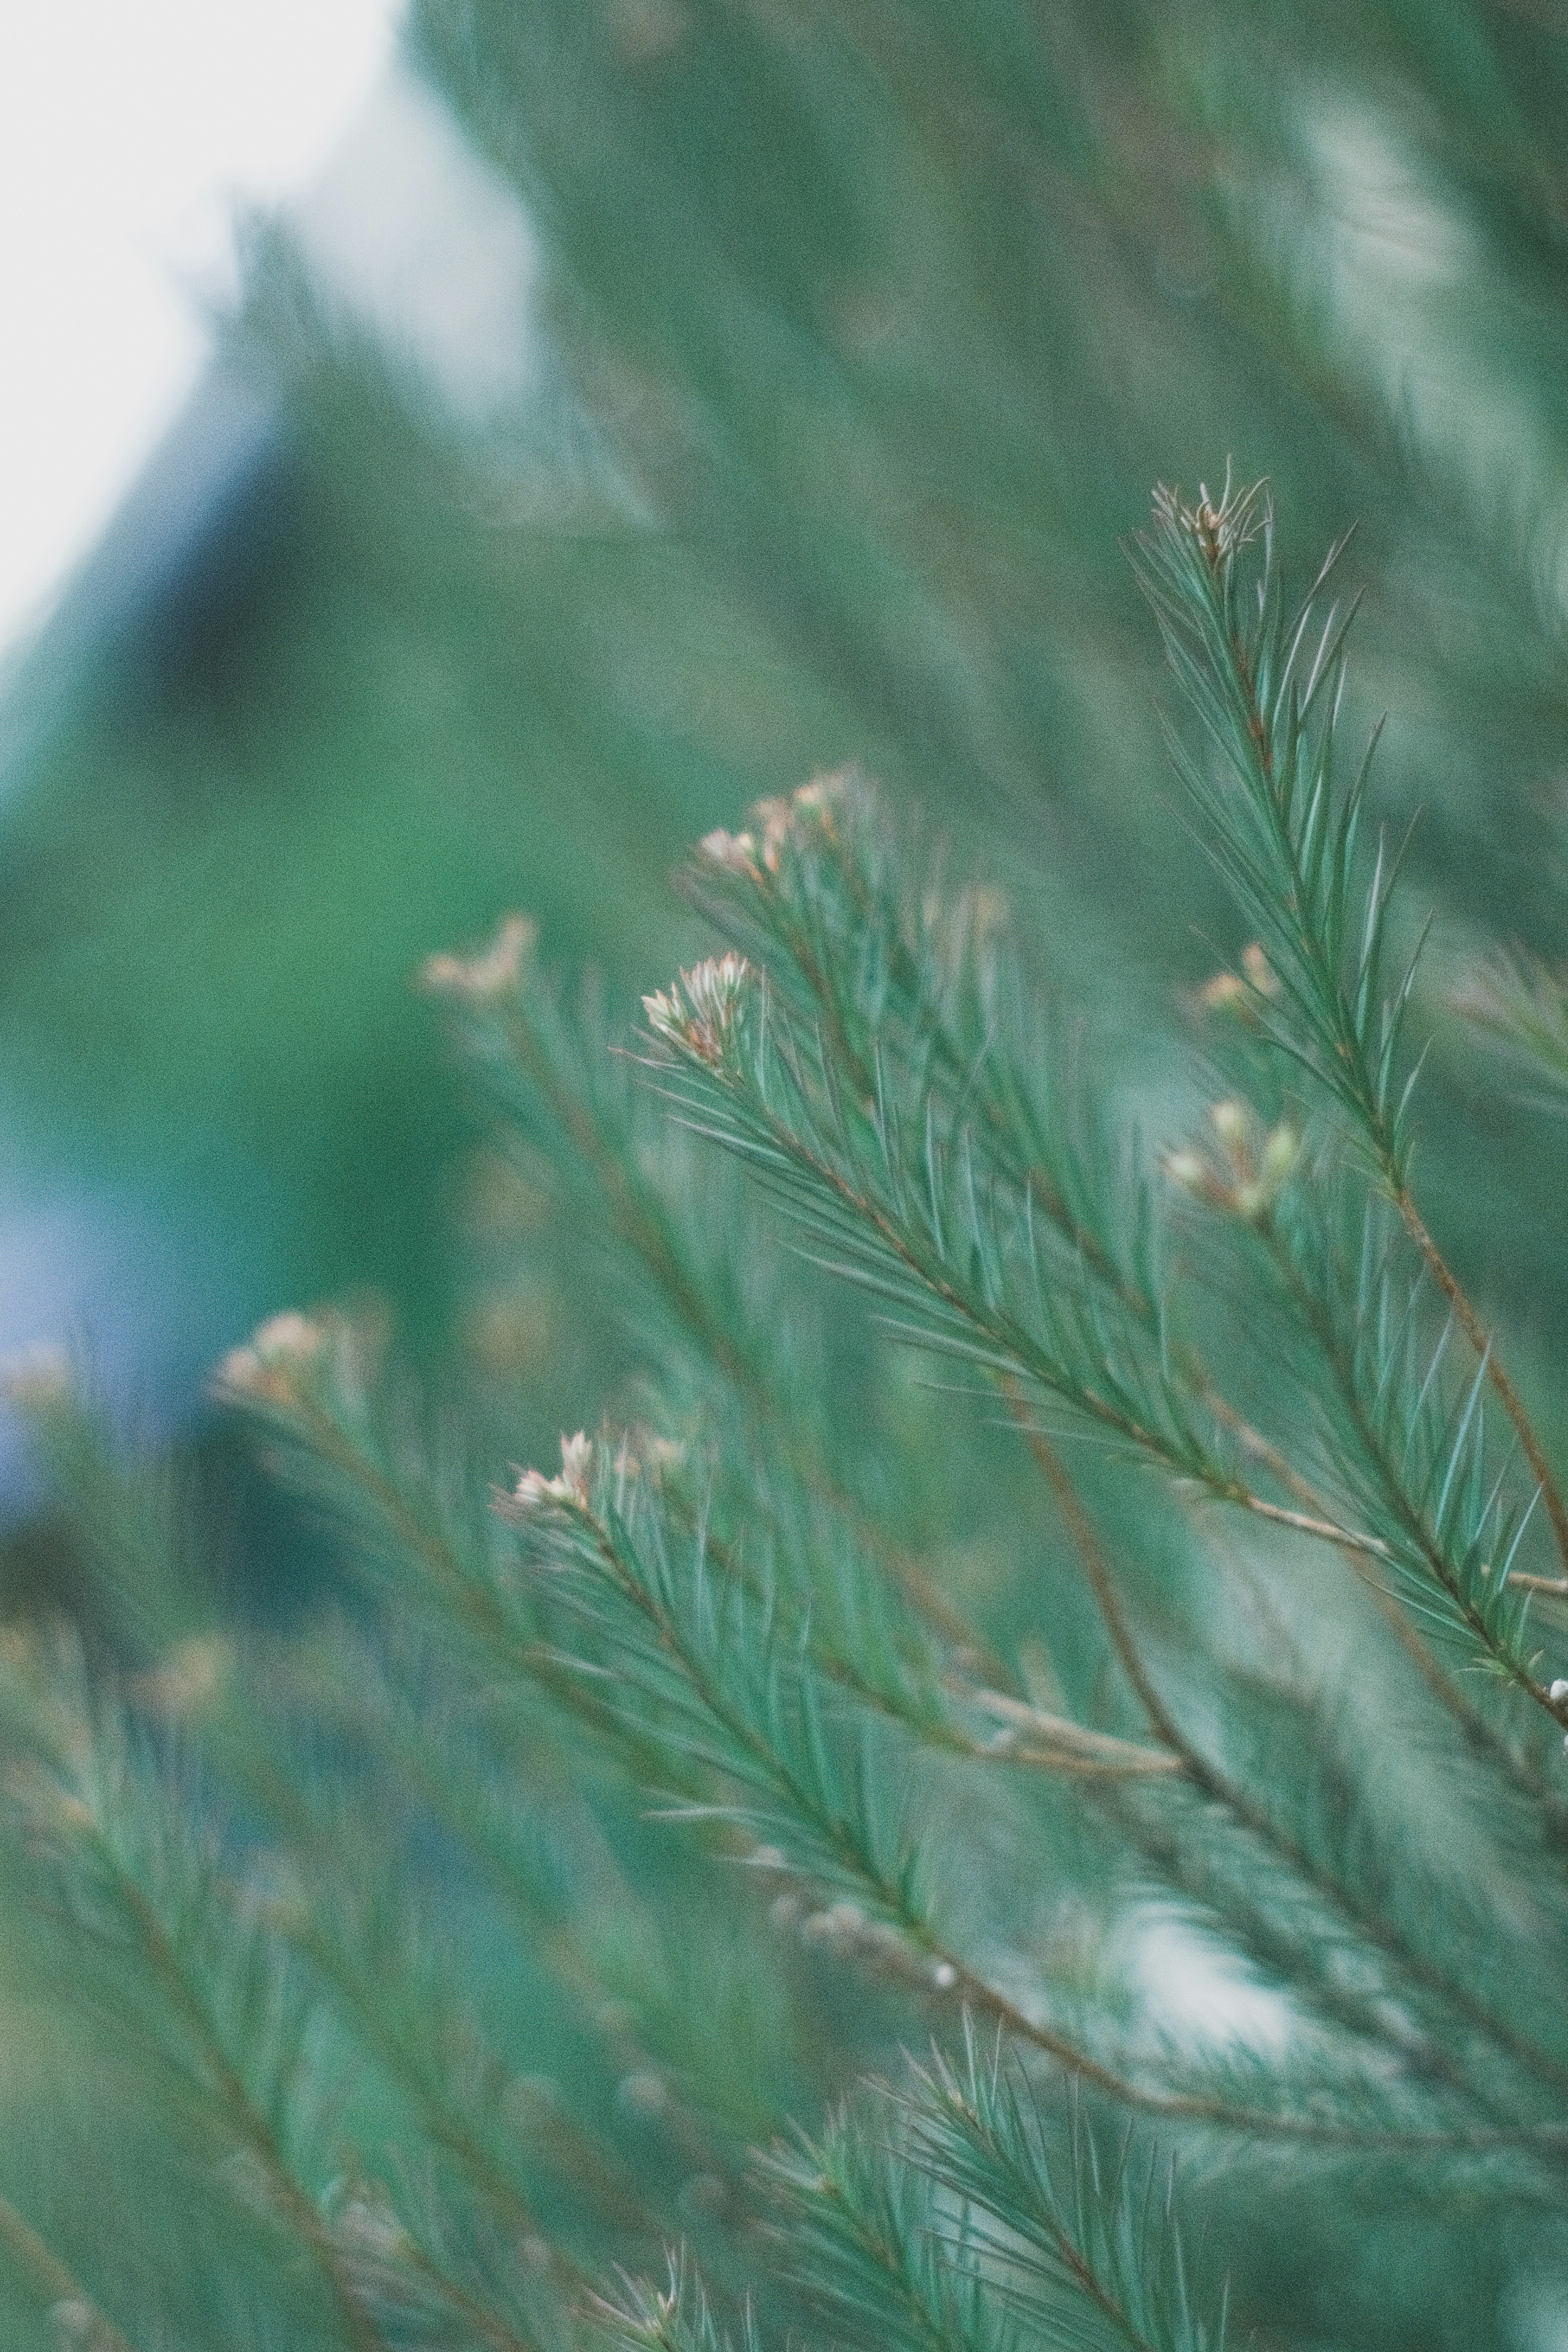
column 846, row 1932
column 571, row 1486
column 776, row 821
column 1255, row 1167
column 644, row 1453
column 1237, row 992
column 490, row 977
column 292, row 1355
column 278, row 1362
column 700, row 1013
column 1220, row 527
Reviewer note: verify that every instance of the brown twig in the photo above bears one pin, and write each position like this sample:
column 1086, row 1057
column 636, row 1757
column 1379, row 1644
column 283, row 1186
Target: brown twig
column 1479, row 1338
column 53, row 2282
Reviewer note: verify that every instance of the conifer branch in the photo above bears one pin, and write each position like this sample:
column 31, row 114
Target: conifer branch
column 580, row 1524
column 678, row 2318
column 1286, row 843
column 1446, row 1533
column 1366, row 1922
column 923, row 1702
column 903, row 978
column 396, row 2269
column 874, row 2248
column 72, row 1814
column 538, row 1062
column 1110, row 2239
column 1482, row 1735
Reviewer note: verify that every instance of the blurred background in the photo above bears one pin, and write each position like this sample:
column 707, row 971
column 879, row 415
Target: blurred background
column 450, row 458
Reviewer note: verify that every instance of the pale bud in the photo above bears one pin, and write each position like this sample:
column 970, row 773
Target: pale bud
column 818, row 799
column 276, row 1363
column 736, row 852
column 576, row 1460
column 1282, row 1149
column 1279, row 1154
column 1232, row 1123
column 944, row 1976
column 373, row 2229
column 1260, row 975
column 1188, row 1170
column 1558, row 1692
column 1226, row 993
column 570, row 1485
column 777, row 818
column 699, row 1013
column 492, row 975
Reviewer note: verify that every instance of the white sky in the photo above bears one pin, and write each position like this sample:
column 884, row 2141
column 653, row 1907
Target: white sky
column 128, row 128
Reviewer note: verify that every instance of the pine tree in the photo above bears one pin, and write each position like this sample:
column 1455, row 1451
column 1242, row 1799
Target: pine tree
column 1013, row 1794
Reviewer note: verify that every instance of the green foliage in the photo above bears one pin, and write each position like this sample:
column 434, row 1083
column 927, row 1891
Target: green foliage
column 860, row 330
column 1070, row 1851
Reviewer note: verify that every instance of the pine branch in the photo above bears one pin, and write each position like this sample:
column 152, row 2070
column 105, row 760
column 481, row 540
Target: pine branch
column 416, row 2282
column 1372, row 1927
column 1266, row 688
column 676, row 1639
column 131, row 1878
column 1093, row 2246
column 402, row 2010
column 554, row 1075
column 906, row 1208
column 903, row 974
column 676, row 2318
column 840, row 1624
column 898, row 978
column 918, row 1225
column 874, row 2249
column 1418, row 1460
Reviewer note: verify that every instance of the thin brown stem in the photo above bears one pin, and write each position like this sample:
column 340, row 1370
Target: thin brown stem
column 1320, row 1324
column 1482, row 1734
column 1479, row 1338
column 1179, row 2106
column 52, row 2282
column 1030, row 1736
column 290, row 2200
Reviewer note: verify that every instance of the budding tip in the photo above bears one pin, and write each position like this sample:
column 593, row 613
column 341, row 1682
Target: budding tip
column 488, row 977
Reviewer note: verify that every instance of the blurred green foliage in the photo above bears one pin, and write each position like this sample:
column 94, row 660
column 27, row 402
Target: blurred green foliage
column 863, row 332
